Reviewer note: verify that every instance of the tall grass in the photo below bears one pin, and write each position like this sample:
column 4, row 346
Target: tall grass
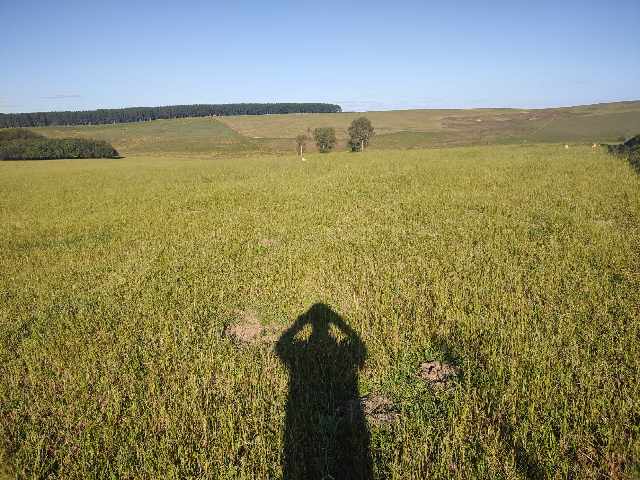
column 519, row 264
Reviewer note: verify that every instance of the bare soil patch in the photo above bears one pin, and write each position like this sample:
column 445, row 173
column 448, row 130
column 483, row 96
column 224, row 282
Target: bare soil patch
column 378, row 409
column 247, row 330
column 438, row 374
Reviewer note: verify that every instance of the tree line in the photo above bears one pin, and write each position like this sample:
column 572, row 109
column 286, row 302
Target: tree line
column 20, row 144
column 143, row 114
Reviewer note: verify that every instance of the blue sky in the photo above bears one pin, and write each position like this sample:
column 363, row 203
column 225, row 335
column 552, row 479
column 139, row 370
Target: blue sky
column 59, row 55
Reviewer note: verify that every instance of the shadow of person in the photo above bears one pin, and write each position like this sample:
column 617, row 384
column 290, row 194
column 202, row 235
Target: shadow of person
column 325, row 434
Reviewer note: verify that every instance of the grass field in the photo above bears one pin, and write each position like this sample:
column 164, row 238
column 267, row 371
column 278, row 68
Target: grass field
column 403, row 129
column 177, row 137
column 518, row 264
column 423, row 128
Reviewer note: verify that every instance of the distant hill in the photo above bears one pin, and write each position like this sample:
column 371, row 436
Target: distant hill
column 448, row 127
column 142, row 114
column 399, row 129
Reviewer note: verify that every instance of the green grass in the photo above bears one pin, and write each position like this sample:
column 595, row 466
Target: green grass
column 521, row 264
column 178, row 137
column 413, row 140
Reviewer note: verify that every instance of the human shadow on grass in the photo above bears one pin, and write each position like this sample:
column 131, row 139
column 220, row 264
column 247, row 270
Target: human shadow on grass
column 325, row 434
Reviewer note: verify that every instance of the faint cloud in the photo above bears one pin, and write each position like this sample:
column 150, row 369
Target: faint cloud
column 361, row 105
column 400, row 104
column 62, row 96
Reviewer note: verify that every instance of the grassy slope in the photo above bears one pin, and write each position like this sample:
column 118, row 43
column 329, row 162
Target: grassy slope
column 605, row 127
column 417, row 128
column 187, row 136
column 521, row 264
column 395, row 129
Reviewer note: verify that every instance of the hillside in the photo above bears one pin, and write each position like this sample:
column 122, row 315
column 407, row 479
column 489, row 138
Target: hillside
column 183, row 136
column 395, row 129
column 590, row 123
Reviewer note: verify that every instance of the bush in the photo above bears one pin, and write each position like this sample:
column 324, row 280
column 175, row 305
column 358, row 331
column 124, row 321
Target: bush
column 630, row 149
column 325, row 138
column 19, row 144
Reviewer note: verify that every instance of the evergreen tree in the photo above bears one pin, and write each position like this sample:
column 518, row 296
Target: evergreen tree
column 145, row 114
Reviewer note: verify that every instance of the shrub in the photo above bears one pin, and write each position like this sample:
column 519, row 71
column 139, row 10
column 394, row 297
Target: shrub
column 630, row 149
column 19, row 144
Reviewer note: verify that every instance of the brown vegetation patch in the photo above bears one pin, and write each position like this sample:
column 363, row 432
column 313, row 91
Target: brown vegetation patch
column 247, row 330
column 438, row 374
column 378, row 409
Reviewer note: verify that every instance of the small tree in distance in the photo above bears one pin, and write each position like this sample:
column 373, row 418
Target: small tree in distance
column 360, row 133
column 325, row 138
column 301, row 141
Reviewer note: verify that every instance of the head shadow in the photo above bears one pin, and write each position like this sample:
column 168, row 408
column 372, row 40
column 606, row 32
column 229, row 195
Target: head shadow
column 325, row 432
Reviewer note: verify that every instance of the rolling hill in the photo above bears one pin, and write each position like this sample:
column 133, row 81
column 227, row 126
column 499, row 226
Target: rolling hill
column 395, row 129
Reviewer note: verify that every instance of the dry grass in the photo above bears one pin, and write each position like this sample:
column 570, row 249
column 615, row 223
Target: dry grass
column 596, row 123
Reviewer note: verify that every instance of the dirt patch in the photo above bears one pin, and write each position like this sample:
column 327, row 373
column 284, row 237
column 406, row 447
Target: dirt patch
column 247, row 330
column 378, row 409
column 438, row 374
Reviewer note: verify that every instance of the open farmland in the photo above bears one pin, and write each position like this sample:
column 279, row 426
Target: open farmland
column 405, row 129
column 519, row 265
column 184, row 136
column 422, row 128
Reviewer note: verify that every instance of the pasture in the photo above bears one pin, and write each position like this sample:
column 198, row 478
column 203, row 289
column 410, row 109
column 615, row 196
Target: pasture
column 433, row 127
column 403, row 129
column 519, row 264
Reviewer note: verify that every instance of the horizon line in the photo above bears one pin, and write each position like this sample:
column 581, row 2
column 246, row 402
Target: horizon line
column 373, row 110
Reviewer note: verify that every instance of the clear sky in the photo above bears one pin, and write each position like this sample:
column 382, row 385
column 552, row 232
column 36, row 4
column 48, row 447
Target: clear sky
column 59, row 55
